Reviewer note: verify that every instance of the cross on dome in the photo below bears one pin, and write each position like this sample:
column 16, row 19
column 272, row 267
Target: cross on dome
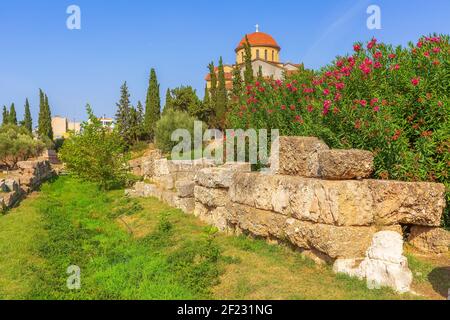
column 257, row 27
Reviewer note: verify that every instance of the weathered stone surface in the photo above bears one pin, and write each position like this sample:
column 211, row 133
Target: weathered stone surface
column 321, row 201
column 336, row 242
column 185, row 188
column 217, row 217
column 23, row 165
column 298, row 156
column 384, row 264
column 345, row 164
column 166, row 182
column 221, row 177
column 187, row 205
column 135, row 166
column 260, row 223
column 161, row 167
column 190, row 165
column 418, row 203
column 430, row 239
column 211, row 197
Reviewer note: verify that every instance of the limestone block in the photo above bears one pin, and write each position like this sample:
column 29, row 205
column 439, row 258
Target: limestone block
column 336, row 242
column 217, row 217
column 165, row 182
column 161, row 167
column 298, row 156
column 211, row 197
column 187, row 205
column 331, row 202
column 185, row 188
column 215, row 177
column 417, row 203
column 430, row 239
column 345, row 164
column 260, row 223
column 384, row 264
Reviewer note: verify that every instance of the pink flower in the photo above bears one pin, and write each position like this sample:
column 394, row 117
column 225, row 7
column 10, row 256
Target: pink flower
column 436, row 50
column 415, row 81
column 363, row 103
column 378, row 55
column 357, row 47
column 310, row 108
column 427, row 54
column 326, row 92
column 420, row 44
column 283, row 107
column 377, row 65
column 292, row 107
column 376, row 108
column 327, row 104
column 396, row 67
column 392, row 56
column 340, row 86
column 372, row 43
column 373, row 101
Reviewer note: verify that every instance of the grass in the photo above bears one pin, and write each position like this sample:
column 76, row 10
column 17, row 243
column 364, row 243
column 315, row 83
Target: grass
column 143, row 249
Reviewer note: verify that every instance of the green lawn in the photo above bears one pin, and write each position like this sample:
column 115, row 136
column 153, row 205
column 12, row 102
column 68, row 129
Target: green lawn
column 142, row 249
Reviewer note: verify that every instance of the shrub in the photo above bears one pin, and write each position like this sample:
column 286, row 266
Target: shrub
column 16, row 144
column 96, row 154
column 392, row 101
column 169, row 122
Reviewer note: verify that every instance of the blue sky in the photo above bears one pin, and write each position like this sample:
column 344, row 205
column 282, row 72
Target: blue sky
column 122, row 39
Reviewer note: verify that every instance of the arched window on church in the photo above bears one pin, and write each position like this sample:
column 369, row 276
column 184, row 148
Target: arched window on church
column 273, row 55
column 265, row 55
column 257, row 53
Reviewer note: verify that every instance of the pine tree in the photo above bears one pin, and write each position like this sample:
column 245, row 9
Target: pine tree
column 123, row 114
column 248, row 73
column 27, row 120
column 140, row 119
column 45, row 117
column 152, row 105
column 12, row 115
column 222, row 100
column 5, row 115
column 169, row 101
column 134, row 125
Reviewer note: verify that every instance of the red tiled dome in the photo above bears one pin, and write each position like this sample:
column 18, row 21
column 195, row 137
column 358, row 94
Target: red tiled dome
column 259, row 39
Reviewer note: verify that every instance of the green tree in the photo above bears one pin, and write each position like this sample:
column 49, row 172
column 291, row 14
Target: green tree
column 248, row 73
column 152, row 105
column 237, row 83
column 17, row 144
column 27, row 120
column 220, row 108
column 5, row 116
column 123, row 115
column 140, row 120
column 96, row 154
column 213, row 88
column 12, row 115
column 260, row 76
column 45, row 117
column 168, row 105
column 185, row 99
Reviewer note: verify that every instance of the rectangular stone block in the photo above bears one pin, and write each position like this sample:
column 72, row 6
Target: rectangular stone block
column 217, row 217
column 161, row 167
column 298, row 156
column 165, row 182
column 185, row 188
column 345, row 164
column 187, row 205
column 335, row 242
column 211, row 197
column 342, row 203
column 417, row 203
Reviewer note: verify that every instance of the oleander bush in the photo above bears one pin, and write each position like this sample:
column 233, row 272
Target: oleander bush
column 394, row 101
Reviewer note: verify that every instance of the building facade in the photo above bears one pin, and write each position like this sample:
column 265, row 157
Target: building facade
column 265, row 56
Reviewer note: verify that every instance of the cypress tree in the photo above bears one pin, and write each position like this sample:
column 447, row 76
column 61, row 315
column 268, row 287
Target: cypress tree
column 237, row 83
column 5, row 115
column 152, row 105
column 169, row 101
column 221, row 102
column 12, row 115
column 123, row 114
column 45, row 117
column 206, row 98
column 140, row 119
column 260, row 77
column 248, row 73
column 213, row 88
column 27, row 120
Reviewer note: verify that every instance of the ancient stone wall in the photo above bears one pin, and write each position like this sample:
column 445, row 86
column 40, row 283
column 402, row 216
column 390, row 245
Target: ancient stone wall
column 318, row 200
column 29, row 176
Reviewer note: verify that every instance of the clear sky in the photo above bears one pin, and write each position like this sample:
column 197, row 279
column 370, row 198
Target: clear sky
column 121, row 40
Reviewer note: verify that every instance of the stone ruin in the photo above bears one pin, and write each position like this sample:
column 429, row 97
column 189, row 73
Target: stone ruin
column 318, row 200
column 29, row 176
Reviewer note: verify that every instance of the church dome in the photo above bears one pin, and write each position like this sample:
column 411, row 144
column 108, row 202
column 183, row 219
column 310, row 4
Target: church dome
column 259, row 39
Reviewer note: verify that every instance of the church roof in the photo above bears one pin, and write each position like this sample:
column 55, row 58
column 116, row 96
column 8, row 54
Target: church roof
column 259, row 39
